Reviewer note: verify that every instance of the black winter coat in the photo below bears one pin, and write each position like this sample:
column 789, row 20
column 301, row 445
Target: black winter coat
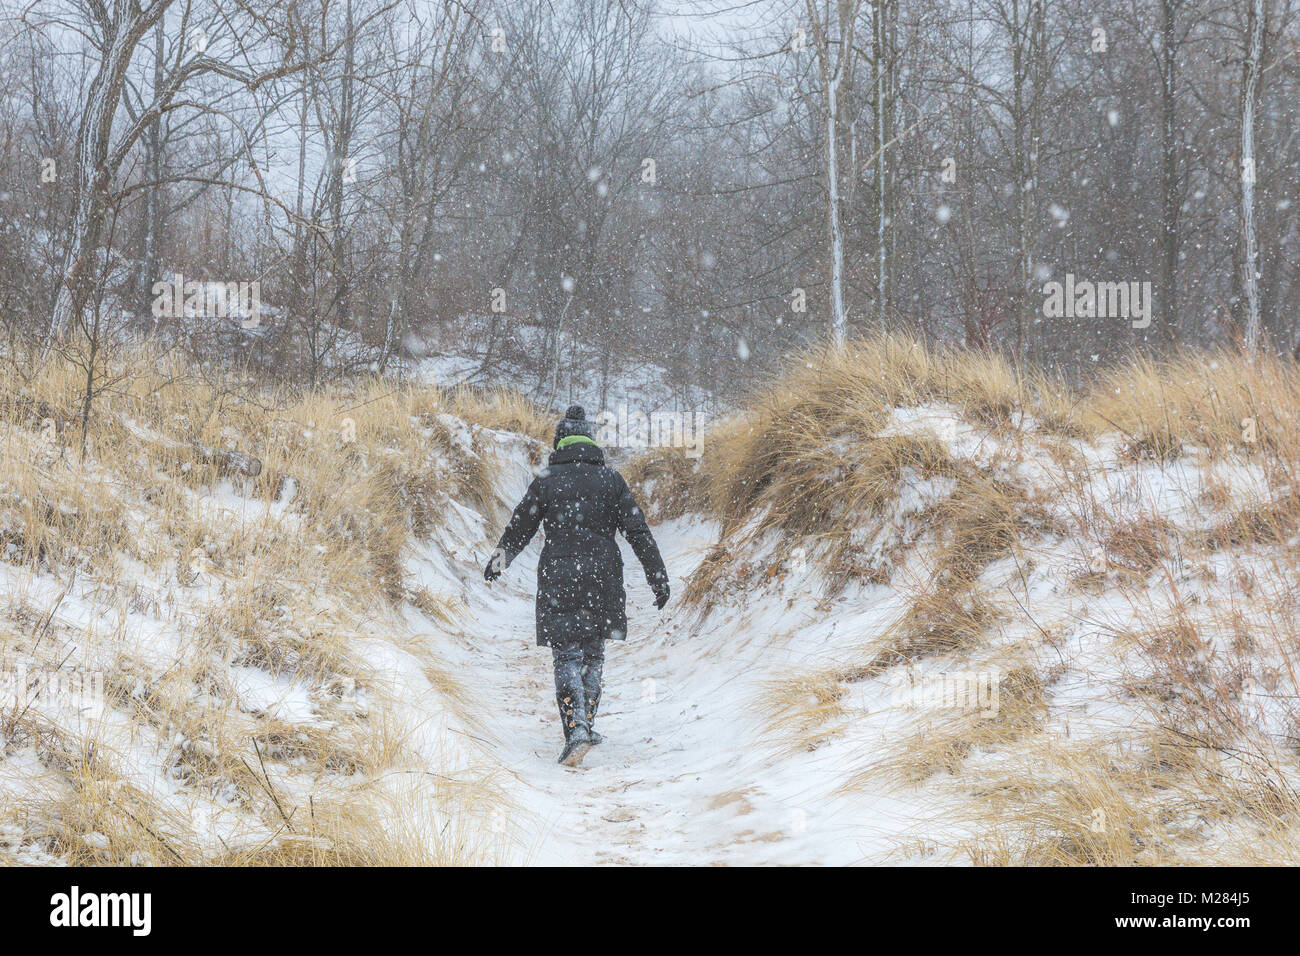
column 582, row 503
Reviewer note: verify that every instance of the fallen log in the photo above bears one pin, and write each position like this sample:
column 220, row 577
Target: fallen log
column 33, row 412
column 228, row 462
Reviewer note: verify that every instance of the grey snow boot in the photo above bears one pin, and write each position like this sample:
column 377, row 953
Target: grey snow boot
column 576, row 747
column 591, row 674
column 571, row 696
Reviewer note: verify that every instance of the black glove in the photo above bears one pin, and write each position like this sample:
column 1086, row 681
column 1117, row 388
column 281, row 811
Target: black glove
column 661, row 594
column 495, row 565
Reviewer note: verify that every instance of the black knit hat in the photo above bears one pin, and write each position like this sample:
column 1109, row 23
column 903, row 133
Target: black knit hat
column 574, row 423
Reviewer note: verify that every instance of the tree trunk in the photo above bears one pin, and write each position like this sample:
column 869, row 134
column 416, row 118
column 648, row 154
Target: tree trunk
column 1020, row 167
column 1249, row 100
column 342, row 161
column 1169, row 212
column 882, row 50
column 839, row 321
column 833, row 74
column 125, row 27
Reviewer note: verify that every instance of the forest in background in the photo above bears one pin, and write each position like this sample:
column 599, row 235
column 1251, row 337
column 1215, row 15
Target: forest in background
column 564, row 190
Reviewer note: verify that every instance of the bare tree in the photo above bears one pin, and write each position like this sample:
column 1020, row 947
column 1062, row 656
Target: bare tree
column 115, row 33
column 116, row 30
column 1249, row 104
column 835, row 65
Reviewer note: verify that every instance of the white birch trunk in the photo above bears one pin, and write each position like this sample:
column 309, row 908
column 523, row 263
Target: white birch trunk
column 127, row 23
column 882, row 204
column 839, row 321
column 1250, row 93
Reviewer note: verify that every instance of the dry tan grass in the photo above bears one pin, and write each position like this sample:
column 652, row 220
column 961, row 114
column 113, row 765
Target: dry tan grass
column 808, row 461
column 309, row 572
column 801, row 713
column 951, row 737
column 1200, row 399
column 1071, row 807
column 667, row 482
column 1148, row 799
column 1140, row 545
column 936, row 622
column 351, row 477
column 503, row 409
column 808, row 458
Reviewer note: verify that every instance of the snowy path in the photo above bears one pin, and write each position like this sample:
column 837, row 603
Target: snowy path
column 685, row 775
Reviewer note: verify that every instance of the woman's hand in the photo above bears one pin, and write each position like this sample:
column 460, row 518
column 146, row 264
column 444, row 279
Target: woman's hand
column 496, row 564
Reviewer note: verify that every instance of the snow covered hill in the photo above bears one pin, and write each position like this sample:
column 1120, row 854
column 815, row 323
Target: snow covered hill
column 925, row 611
column 936, row 614
column 206, row 666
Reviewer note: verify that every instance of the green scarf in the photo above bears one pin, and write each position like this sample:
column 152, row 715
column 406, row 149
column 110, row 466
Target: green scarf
column 574, row 440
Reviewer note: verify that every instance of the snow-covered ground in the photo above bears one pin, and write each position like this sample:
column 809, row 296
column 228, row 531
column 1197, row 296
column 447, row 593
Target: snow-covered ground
column 756, row 730
column 685, row 775
column 692, row 769
column 712, row 753
column 644, row 387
